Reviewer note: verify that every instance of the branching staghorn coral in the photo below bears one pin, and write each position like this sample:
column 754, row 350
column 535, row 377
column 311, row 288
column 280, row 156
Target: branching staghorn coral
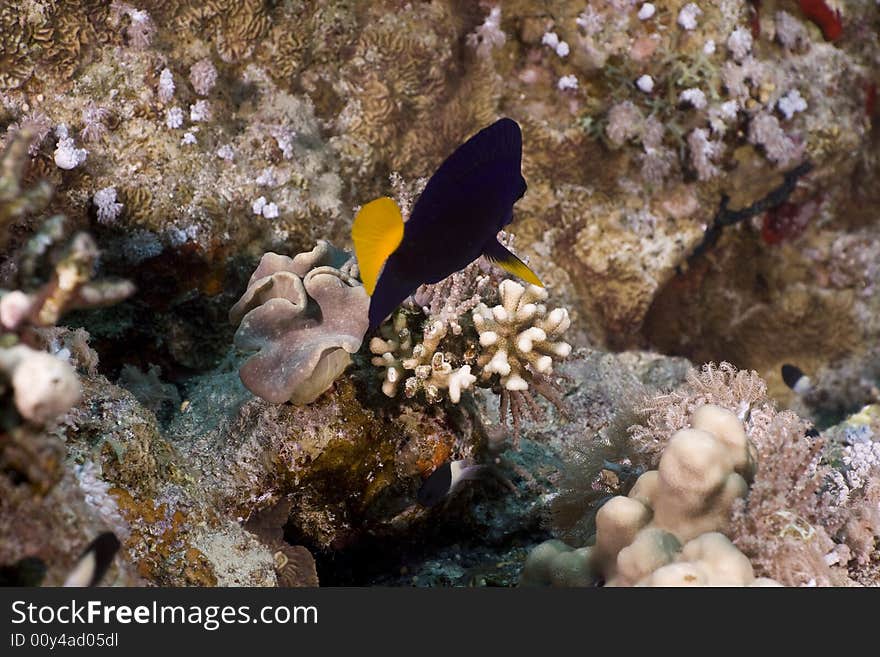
column 15, row 201
column 70, row 286
column 45, row 386
column 39, row 387
column 303, row 316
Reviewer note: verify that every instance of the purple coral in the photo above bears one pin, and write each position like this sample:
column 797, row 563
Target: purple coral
column 203, row 76
column 303, row 316
column 93, row 118
column 764, row 130
column 489, row 35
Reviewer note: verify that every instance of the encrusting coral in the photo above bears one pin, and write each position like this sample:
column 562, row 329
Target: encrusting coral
column 667, row 531
column 304, row 316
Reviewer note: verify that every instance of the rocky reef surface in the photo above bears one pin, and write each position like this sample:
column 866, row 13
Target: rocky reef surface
column 184, row 355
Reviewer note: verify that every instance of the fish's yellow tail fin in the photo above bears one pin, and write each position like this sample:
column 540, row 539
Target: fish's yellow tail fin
column 510, row 263
column 377, row 232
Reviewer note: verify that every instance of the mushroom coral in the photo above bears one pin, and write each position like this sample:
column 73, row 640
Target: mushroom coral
column 303, row 317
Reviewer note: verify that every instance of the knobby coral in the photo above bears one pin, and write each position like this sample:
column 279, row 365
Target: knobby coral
column 667, row 531
column 806, row 520
column 519, row 337
column 303, row 316
column 44, row 387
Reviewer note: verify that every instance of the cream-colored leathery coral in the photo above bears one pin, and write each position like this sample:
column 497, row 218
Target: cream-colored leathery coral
column 44, row 386
column 519, row 337
column 666, row 532
column 431, row 370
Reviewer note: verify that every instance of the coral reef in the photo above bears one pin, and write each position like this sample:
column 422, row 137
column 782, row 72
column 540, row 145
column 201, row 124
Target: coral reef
column 702, row 187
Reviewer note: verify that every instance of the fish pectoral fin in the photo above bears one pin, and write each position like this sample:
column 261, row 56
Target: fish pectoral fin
column 376, row 232
column 498, row 254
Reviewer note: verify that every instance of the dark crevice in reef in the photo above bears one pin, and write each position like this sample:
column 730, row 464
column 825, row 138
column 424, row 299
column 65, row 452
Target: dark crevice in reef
column 177, row 320
column 447, row 550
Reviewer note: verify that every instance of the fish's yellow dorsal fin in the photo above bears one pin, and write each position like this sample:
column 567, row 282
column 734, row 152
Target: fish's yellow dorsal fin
column 511, row 264
column 377, row 232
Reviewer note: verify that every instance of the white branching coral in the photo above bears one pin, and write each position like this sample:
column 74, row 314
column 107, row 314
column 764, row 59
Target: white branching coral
column 519, row 337
column 488, row 35
column 203, row 76
column 67, row 155
column 105, row 203
column 166, row 85
column 432, row 370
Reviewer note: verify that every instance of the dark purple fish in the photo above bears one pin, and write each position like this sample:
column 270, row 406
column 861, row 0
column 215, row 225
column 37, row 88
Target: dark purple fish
column 455, row 221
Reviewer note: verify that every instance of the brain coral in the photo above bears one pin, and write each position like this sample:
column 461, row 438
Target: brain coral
column 303, row 316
